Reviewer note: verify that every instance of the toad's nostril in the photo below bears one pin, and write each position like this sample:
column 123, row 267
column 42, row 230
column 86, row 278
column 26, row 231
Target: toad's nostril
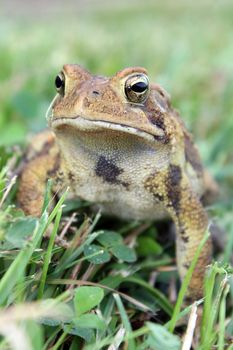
column 95, row 92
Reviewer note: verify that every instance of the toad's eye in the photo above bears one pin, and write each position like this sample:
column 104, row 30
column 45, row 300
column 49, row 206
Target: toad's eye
column 137, row 88
column 60, row 83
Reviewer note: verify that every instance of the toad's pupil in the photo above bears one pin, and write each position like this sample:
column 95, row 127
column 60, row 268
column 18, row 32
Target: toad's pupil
column 59, row 82
column 139, row 86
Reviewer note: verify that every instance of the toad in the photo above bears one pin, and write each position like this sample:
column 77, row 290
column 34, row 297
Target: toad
column 118, row 143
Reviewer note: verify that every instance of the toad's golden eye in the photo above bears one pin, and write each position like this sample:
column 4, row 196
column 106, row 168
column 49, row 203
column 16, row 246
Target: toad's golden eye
column 60, row 83
column 137, row 88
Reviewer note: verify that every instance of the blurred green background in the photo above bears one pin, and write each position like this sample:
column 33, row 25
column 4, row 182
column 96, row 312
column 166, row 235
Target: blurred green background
column 186, row 46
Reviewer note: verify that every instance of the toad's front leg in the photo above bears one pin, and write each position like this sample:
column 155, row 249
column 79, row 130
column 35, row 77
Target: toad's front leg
column 172, row 188
column 41, row 162
column 191, row 224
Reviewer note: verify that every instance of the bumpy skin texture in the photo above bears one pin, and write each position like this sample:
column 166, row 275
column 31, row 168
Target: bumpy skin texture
column 133, row 160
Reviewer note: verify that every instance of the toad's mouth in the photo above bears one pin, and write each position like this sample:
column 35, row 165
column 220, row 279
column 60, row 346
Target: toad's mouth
column 83, row 124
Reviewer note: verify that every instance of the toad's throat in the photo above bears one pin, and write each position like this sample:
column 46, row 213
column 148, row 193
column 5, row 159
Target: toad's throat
column 83, row 124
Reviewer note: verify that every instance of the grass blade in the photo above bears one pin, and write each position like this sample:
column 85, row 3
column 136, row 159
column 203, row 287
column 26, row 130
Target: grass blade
column 49, row 254
column 209, row 334
column 160, row 298
column 17, row 268
column 125, row 321
column 222, row 317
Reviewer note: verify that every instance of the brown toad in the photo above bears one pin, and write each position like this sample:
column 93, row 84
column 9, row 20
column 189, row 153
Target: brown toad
column 118, row 143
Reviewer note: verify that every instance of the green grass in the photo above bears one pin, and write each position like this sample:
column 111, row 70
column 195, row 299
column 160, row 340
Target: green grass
column 130, row 281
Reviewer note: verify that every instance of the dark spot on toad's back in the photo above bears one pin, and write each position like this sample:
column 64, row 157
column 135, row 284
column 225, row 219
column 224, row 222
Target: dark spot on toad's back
column 43, row 151
column 109, row 171
column 159, row 197
column 156, row 117
column 186, row 266
column 173, row 186
column 174, row 175
column 185, row 239
column 71, row 176
column 191, row 154
column 51, row 172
